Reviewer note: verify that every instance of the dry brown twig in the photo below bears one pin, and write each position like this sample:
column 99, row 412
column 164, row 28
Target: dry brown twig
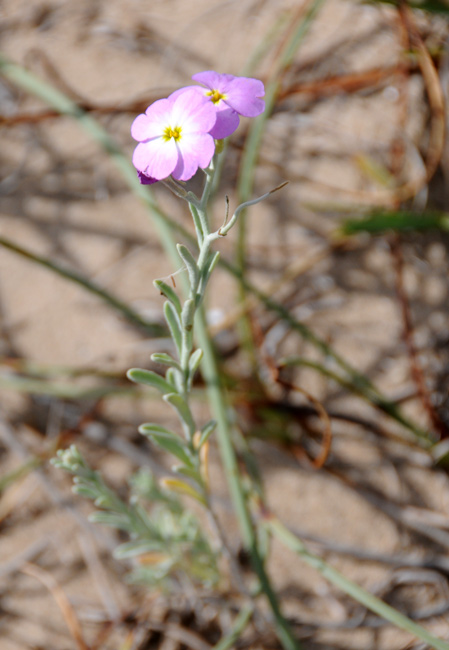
column 62, row 601
column 275, row 374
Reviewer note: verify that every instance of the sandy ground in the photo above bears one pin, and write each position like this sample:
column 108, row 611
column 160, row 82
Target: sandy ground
column 378, row 510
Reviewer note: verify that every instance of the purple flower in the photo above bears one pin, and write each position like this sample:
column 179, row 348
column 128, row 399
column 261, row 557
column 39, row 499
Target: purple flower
column 174, row 138
column 231, row 96
column 146, row 180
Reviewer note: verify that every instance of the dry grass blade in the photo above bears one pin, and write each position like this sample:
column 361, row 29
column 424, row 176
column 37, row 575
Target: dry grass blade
column 62, row 601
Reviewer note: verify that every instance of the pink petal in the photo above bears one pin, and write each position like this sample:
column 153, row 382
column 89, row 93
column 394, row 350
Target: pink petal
column 227, row 122
column 140, row 157
column 139, row 127
column 193, row 112
column 156, row 158
column 159, row 110
column 196, row 150
column 204, row 146
column 244, row 96
column 214, row 80
column 186, row 167
column 180, row 91
column 227, row 119
column 152, row 123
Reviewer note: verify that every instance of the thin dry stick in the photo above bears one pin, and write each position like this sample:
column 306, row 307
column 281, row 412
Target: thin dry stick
column 346, row 83
column 437, row 108
column 275, row 372
column 62, row 601
column 293, row 271
column 398, row 155
column 407, row 31
column 321, row 458
column 434, row 92
column 436, row 131
column 416, row 369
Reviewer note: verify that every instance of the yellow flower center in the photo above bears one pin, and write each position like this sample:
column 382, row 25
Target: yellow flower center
column 170, row 133
column 215, row 96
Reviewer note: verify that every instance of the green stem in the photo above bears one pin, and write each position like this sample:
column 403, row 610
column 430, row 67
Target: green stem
column 240, row 624
column 371, row 602
column 215, row 392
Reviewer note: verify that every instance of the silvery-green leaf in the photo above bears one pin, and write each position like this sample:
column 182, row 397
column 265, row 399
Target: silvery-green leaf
column 104, row 501
column 188, row 314
column 191, row 472
column 149, row 378
column 172, row 318
column 205, row 275
column 165, row 359
column 114, row 519
column 194, row 361
column 138, row 547
column 206, row 431
column 191, row 265
column 181, row 407
column 85, row 491
column 174, row 378
column 213, row 263
column 169, row 293
column 148, row 428
column 183, row 488
column 173, row 444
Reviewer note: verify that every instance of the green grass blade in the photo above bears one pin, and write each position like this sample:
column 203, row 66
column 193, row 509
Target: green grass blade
column 381, row 222
column 153, row 329
column 362, row 596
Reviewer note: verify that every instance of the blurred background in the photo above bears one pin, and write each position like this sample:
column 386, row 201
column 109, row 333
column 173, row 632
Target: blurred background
column 340, row 278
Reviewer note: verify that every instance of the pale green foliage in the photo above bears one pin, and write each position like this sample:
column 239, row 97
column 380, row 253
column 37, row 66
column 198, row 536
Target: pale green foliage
column 166, row 542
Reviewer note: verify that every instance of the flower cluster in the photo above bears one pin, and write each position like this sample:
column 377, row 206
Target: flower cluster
column 177, row 135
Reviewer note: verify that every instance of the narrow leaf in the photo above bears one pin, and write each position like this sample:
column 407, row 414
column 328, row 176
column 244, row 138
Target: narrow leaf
column 213, row 263
column 192, row 267
column 138, row 547
column 176, row 485
column 113, row 519
column 188, row 314
column 181, row 407
column 174, row 378
column 165, row 360
column 191, row 472
column 172, row 318
column 194, row 361
column 149, row 378
column 174, row 446
column 85, row 491
column 382, row 221
column 169, row 293
column 206, row 431
column 205, row 275
column 149, row 428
